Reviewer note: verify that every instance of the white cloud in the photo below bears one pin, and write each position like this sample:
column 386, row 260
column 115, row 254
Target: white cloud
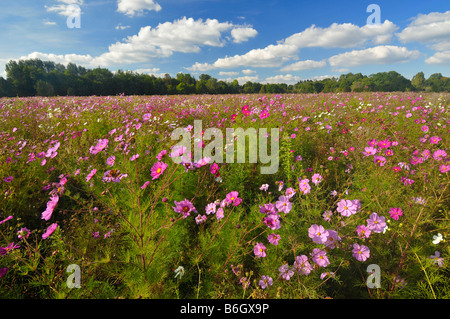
column 185, row 35
column 228, row 73
column 335, row 36
column 243, row 34
column 427, row 28
column 304, row 65
column 282, row 78
column 248, row 71
column 66, row 8
column 344, row 35
column 48, row 22
column 122, row 27
column 383, row 54
column 442, row 58
column 242, row 79
column 137, row 7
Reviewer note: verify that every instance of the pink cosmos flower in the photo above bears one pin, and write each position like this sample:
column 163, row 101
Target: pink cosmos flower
column 302, row 265
column 320, row 257
column 259, row 250
column 363, row 231
column 267, row 209
column 232, row 198
column 316, row 179
column 272, row 221
column 145, row 185
column 214, row 169
column 50, row 230
column 380, row 160
column 219, row 213
column 332, row 239
column 346, row 207
column 304, row 186
column 90, row 175
column 134, row 157
column 161, row 154
column 23, row 233
column 376, row 223
column 369, row 151
column 210, row 208
column 264, row 114
column 435, row 139
column 290, row 192
column 444, row 168
column 157, row 169
column 395, row 213
column 6, row 219
column 318, row 234
column 384, row 144
column 184, row 207
column 283, row 204
column 360, row 252
column 5, row 250
column 273, row 238
column 101, row 145
column 439, row 155
column 51, row 204
column 200, row 219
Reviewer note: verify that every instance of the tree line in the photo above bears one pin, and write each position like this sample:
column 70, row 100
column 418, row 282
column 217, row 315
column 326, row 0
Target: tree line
column 34, row 77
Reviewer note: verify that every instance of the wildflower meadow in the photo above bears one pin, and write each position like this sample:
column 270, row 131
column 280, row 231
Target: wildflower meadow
column 102, row 197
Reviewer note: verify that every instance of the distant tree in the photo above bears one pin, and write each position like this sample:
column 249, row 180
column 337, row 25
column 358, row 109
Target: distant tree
column 44, row 88
column 418, row 81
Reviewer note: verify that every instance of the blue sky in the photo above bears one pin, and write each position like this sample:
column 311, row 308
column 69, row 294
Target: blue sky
column 257, row 40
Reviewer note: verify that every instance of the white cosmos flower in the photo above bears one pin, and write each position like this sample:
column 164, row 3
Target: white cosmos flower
column 437, row 238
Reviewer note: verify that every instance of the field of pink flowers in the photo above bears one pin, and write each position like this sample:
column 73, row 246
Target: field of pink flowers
column 358, row 208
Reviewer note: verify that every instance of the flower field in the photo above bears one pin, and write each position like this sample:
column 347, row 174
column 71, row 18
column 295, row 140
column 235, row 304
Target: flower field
column 358, row 206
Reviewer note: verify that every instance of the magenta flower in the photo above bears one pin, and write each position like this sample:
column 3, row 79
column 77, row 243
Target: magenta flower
column 134, row 157
column 320, row 257
column 302, row 265
column 376, row 223
column 7, row 249
column 444, row 168
column 369, row 151
column 259, row 250
column 219, row 213
column 161, row 154
column 318, row 234
column 272, row 221
column 395, row 213
column 380, row 160
column 101, row 145
column 200, row 219
column 145, row 184
column 210, row 208
column 304, row 186
column 360, row 252
column 264, row 114
column 157, row 169
column 283, row 204
column 111, row 160
column 439, row 155
column 290, row 192
column 23, row 233
column 214, row 169
column 6, row 219
column 232, row 198
column 184, row 207
column 50, row 230
column 8, row 179
column 267, row 209
column 435, row 139
column 265, row 282
column 363, row 231
column 51, row 204
column 346, row 207
column 90, row 175
column 273, row 238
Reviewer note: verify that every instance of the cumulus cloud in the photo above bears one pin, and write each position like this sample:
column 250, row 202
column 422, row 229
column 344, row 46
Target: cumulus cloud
column 185, row 35
column 383, row 54
column 243, row 34
column 137, row 7
column 335, row 36
column 427, row 28
column 442, row 58
column 304, row 65
column 282, row 78
column 66, row 8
